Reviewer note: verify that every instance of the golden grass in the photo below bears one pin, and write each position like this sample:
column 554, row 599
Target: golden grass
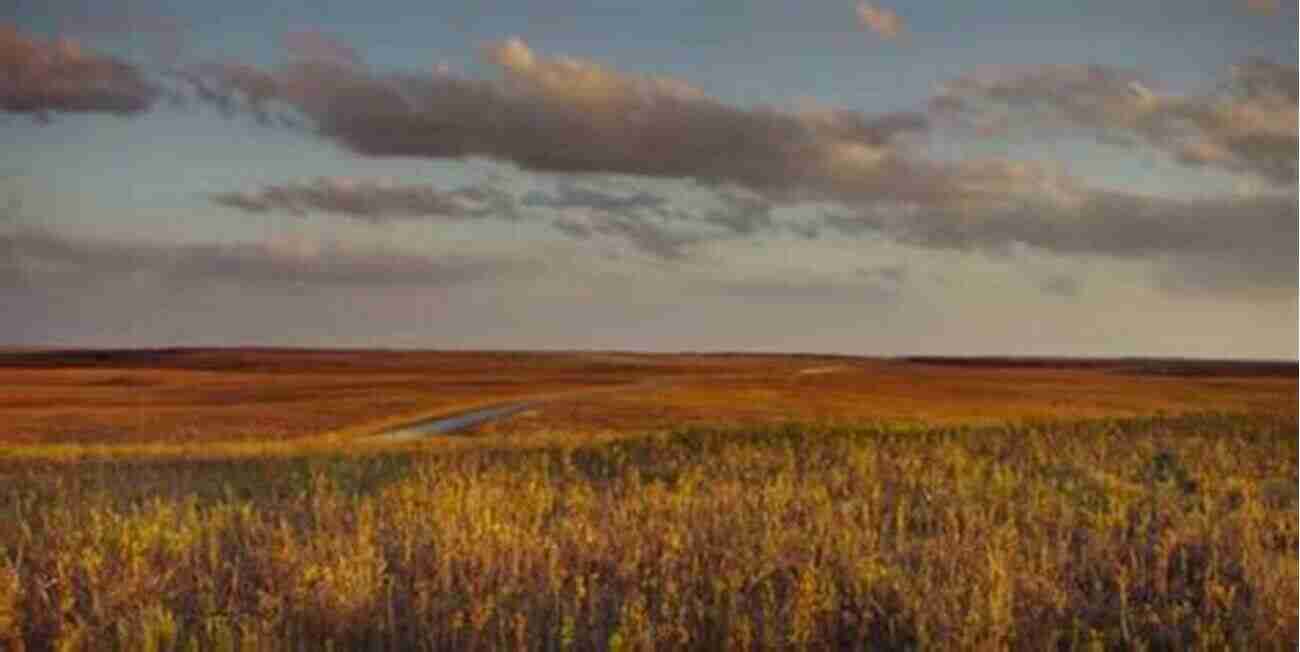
column 1157, row 533
column 865, row 503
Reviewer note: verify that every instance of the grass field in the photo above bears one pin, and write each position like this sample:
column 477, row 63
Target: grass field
column 194, row 396
column 735, row 502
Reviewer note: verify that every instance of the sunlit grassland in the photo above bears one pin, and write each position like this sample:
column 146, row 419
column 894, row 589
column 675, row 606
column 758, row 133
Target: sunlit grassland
column 1164, row 533
column 217, row 402
column 917, row 394
column 183, row 397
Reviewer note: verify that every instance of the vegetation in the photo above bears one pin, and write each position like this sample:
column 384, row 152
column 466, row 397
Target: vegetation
column 273, row 399
column 1159, row 533
column 188, row 396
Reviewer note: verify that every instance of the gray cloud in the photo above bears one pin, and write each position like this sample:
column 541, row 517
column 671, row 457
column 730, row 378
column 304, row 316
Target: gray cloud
column 1254, row 237
column 1248, row 124
column 568, row 115
column 637, row 219
column 806, row 230
column 573, row 228
column 741, row 214
column 1272, row 277
column 312, row 45
column 565, row 115
column 40, row 77
column 652, row 223
column 568, row 195
column 647, row 237
column 737, row 214
column 893, row 275
column 1061, row 285
column 373, row 201
column 42, row 258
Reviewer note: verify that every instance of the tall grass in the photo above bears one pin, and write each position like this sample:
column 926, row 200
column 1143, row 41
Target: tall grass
column 1160, row 533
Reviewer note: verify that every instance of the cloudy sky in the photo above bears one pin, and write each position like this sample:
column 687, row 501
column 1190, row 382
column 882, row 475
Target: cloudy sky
column 1046, row 178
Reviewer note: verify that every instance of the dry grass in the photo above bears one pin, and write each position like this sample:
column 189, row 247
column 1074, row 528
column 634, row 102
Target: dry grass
column 1160, row 533
column 258, row 396
column 189, row 396
column 739, row 502
column 852, row 390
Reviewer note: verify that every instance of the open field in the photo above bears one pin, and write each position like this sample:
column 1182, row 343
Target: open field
column 190, row 396
column 1171, row 532
column 755, row 391
column 719, row 502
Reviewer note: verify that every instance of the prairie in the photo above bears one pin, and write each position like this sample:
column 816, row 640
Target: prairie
column 197, row 396
column 731, row 503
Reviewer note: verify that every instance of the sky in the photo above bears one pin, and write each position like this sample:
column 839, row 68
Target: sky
column 997, row 178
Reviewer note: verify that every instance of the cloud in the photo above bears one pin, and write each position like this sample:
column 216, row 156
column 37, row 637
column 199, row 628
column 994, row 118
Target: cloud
column 740, row 214
column 573, row 116
column 312, row 45
column 737, row 213
column 1271, row 278
column 1251, row 241
column 1252, row 235
column 575, row 229
column 569, row 195
column 1061, row 285
column 1247, row 125
column 638, row 220
column 373, row 201
column 653, row 223
column 567, row 115
column 880, row 20
column 646, row 237
column 40, row 77
column 43, row 258
column 890, row 275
